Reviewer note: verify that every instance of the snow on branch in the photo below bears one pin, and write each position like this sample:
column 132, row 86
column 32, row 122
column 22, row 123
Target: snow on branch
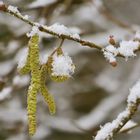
column 125, row 49
column 110, row 129
column 53, row 30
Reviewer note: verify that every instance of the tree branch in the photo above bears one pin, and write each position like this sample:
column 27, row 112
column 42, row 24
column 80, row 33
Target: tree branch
column 45, row 28
column 109, row 53
column 110, row 129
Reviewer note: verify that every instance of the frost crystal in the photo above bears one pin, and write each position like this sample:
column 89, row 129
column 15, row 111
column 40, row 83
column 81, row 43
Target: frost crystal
column 23, row 57
column 62, row 66
column 127, row 48
column 61, row 29
column 34, row 31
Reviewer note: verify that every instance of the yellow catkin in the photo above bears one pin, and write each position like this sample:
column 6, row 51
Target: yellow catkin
column 47, row 96
column 35, row 83
column 34, row 59
column 38, row 79
column 31, row 109
column 49, row 99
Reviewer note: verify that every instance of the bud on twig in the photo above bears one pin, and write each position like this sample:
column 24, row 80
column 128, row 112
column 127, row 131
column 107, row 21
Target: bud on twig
column 114, row 64
column 112, row 40
column 2, row 6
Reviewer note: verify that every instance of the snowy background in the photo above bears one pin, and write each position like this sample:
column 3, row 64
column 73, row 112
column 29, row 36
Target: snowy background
column 96, row 93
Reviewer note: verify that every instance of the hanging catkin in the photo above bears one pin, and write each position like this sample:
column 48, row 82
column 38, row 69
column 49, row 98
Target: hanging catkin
column 44, row 91
column 35, row 83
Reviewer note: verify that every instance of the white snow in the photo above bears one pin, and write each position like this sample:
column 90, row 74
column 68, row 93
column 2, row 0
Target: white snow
column 109, row 56
column 22, row 57
column 112, row 49
column 127, row 48
column 13, row 9
column 5, row 93
column 26, row 17
column 106, row 131
column 110, row 53
column 34, row 31
column 134, row 93
column 62, row 65
column 61, row 29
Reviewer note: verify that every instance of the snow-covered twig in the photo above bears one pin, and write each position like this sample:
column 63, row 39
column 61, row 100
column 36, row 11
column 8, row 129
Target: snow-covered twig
column 49, row 30
column 125, row 49
column 110, row 129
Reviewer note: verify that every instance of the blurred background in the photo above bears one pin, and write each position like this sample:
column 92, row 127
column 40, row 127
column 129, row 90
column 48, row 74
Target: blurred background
column 96, row 93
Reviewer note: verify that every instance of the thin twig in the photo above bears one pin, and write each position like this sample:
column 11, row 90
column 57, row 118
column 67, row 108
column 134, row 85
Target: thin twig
column 62, row 36
column 47, row 30
column 130, row 128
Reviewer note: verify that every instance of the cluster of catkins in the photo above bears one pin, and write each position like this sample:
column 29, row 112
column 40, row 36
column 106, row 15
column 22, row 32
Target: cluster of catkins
column 59, row 67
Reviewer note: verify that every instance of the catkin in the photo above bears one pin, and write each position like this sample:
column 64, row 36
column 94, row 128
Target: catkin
column 49, row 99
column 35, row 83
column 34, row 59
column 38, row 79
column 31, row 109
column 47, row 96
